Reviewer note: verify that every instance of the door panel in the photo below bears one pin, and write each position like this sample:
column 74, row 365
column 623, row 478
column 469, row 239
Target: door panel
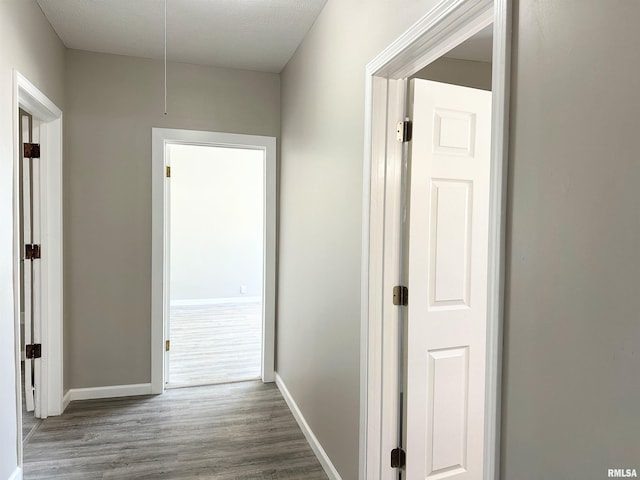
column 27, row 265
column 447, row 277
column 450, row 242
column 36, row 265
column 447, row 395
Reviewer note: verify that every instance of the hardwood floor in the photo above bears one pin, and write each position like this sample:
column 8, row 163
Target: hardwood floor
column 215, row 343
column 238, row 431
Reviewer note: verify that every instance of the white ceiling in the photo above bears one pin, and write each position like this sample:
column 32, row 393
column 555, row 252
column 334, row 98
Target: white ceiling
column 478, row 48
column 249, row 34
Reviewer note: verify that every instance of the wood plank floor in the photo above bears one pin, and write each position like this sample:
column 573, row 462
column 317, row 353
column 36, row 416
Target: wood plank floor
column 215, row 343
column 236, row 431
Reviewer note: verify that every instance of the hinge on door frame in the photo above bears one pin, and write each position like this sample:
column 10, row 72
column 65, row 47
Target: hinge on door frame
column 31, row 252
column 404, row 131
column 400, row 295
column 167, row 345
column 398, row 458
column 33, row 351
column 168, row 171
column 31, row 150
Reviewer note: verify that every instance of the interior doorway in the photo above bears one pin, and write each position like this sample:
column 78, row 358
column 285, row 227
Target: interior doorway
column 386, row 320
column 216, row 258
column 30, row 269
column 37, row 257
column 446, row 321
column 217, row 265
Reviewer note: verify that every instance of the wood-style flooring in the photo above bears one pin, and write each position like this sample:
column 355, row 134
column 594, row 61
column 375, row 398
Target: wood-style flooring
column 215, row 343
column 239, row 431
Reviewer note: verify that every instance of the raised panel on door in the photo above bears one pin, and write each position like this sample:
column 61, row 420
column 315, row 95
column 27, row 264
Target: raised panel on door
column 447, row 396
column 447, row 272
column 450, row 242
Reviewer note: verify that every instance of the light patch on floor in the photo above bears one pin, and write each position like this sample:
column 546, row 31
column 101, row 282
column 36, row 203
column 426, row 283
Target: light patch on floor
column 215, row 343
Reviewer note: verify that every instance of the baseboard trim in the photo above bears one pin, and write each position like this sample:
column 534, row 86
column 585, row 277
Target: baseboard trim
column 16, row 475
column 108, row 392
column 214, row 301
column 323, row 458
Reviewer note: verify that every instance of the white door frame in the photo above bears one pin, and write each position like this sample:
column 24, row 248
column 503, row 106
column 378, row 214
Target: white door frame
column 448, row 24
column 159, row 267
column 28, row 97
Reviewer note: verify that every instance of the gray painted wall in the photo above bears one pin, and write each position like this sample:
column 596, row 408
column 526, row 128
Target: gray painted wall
column 571, row 389
column 572, row 337
column 458, row 72
column 31, row 46
column 318, row 347
column 113, row 102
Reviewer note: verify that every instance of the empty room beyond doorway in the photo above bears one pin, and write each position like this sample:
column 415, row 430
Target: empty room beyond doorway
column 216, row 264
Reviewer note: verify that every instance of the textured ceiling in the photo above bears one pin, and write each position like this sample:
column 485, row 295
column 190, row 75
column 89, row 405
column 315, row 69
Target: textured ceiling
column 249, row 34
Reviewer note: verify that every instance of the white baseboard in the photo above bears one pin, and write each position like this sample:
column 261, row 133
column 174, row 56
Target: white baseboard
column 214, row 301
column 108, row 392
column 16, row 475
column 323, row 458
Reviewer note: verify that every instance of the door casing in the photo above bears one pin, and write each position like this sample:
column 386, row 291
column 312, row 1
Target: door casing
column 159, row 243
column 50, row 379
column 447, row 25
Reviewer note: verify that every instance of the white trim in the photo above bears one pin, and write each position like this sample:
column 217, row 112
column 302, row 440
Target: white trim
column 430, row 37
column 31, row 99
column 445, row 26
column 111, row 391
column 17, row 474
column 214, row 301
column 66, row 400
column 34, row 101
column 313, row 441
column 159, row 303
column 501, row 85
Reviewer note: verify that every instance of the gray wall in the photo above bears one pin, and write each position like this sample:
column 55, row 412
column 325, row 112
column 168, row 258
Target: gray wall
column 318, row 347
column 113, row 102
column 31, row 46
column 572, row 356
column 571, row 335
column 571, row 389
column 458, row 72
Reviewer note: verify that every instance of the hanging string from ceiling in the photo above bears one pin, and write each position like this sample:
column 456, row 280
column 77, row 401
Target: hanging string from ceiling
column 165, row 57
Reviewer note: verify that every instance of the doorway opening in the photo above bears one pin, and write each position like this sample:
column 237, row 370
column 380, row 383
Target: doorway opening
column 37, row 257
column 389, row 261
column 213, row 258
column 30, row 275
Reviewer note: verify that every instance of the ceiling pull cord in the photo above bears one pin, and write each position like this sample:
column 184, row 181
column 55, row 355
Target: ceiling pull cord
column 165, row 57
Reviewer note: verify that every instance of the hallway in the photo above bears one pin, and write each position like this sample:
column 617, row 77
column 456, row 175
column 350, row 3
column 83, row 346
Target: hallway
column 231, row 431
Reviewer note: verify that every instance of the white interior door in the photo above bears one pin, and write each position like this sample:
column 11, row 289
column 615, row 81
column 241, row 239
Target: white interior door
column 31, row 278
column 447, row 280
column 27, row 272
